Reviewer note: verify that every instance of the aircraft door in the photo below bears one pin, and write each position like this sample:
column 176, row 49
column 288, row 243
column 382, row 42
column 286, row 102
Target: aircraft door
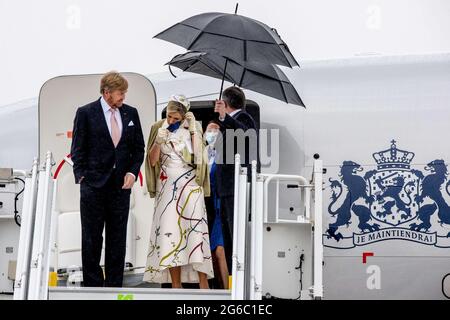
column 58, row 101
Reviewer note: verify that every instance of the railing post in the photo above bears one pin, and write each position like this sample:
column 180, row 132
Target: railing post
column 26, row 234
column 234, row 285
column 259, row 225
column 241, row 235
column 318, row 245
column 39, row 265
column 253, row 231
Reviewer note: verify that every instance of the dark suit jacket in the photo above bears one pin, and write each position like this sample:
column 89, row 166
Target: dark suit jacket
column 93, row 152
column 225, row 170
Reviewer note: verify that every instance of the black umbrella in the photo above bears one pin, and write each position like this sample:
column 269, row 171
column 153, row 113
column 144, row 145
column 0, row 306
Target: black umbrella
column 233, row 36
column 263, row 78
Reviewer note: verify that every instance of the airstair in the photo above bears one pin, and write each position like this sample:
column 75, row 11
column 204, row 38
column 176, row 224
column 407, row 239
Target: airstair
column 257, row 211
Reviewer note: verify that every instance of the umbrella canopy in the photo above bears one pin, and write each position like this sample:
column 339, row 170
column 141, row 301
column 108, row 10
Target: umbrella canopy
column 259, row 77
column 234, row 36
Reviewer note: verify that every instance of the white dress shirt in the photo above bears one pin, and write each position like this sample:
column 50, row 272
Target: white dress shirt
column 107, row 113
column 231, row 114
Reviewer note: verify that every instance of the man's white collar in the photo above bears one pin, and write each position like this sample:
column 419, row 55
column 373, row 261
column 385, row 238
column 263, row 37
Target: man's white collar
column 234, row 112
column 105, row 105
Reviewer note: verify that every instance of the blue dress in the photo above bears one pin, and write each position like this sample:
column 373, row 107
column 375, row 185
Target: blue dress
column 216, row 232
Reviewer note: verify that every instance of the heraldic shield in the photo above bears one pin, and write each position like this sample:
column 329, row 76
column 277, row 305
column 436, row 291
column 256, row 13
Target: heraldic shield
column 393, row 187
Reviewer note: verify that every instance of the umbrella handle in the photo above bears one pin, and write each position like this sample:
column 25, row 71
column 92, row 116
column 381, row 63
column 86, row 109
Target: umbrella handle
column 223, row 78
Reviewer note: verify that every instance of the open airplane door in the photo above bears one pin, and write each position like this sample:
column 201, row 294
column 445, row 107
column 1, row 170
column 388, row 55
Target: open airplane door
column 58, row 101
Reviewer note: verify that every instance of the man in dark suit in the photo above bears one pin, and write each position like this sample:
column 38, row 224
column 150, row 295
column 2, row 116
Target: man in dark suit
column 107, row 152
column 239, row 134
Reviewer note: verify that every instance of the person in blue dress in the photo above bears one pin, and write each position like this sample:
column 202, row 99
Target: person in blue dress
column 214, row 215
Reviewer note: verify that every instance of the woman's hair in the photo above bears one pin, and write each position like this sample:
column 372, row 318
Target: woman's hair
column 174, row 106
column 178, row 103
column 112, row 81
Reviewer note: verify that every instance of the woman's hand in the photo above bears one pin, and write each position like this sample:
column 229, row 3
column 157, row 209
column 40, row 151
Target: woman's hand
column 190, row 118
column 162, row 136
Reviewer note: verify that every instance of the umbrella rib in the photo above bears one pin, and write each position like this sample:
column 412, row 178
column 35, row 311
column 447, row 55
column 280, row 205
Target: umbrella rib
column 300, row 101
column 242, row 77
column 191, row 65
column 195, row 40
column 266, row 75
column 226, row 36
column 219, row 74
column 284, row 92
column 167, row 29
column 245, row 50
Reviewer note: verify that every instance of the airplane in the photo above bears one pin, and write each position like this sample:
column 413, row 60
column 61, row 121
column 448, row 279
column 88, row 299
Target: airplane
column 364, row 206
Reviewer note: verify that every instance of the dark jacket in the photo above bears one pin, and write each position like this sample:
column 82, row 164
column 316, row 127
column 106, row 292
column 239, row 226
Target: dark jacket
column 93, row 153
column 225, row 169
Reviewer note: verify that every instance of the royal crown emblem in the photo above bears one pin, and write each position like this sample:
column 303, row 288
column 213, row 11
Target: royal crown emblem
column 393, row 158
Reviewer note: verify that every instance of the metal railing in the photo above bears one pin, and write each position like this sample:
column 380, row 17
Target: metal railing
column 239, row 231
column 39, row 272
column 303, row 185
column 36, row 232
column 26, row 234
column 259, row 213
column 318, row 244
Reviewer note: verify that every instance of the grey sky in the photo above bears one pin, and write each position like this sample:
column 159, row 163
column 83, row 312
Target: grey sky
column 46, row 38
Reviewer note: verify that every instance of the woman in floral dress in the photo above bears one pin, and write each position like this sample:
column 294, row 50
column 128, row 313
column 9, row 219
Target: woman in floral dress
column 177, row 177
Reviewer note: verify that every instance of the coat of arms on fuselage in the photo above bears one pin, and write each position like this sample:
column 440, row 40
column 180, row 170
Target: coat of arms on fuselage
column 391, row 202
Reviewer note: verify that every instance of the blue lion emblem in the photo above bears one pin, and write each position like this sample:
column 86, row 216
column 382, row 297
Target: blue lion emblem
column 431, row 188
column 356, row 187
column 393, row 192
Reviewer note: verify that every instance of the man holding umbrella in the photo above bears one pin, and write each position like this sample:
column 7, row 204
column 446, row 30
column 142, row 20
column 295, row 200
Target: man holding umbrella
column 232, row 117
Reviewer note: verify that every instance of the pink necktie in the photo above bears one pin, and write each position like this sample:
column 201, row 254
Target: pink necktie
column 115, row 131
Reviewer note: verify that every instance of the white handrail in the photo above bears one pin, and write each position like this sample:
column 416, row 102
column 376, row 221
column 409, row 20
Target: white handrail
column 308, row 203
column 52, row 241
column 259, row 224
column 241, row 222
column 260, row 194
column 279, row 177
column 26, row 234
column 234, row 287
column 239, row 231
column 39, row 274
column 318, row 244
column 39, row 208
column 253, row 234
